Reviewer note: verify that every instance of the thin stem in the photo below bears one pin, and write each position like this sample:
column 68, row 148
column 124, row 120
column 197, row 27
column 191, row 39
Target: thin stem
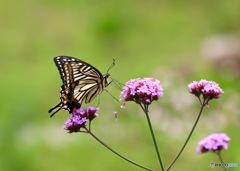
column 188, row 138
column 145, row 109
column 109, row 148
column 221, row 160
column 200, row 101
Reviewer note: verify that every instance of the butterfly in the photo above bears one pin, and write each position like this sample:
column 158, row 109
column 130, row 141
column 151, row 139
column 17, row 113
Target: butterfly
column 81, row 82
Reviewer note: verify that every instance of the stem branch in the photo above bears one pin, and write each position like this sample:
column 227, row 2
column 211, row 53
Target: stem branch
column 145, row 109
column 221, row 160
column 188, row 138
column 109, row 148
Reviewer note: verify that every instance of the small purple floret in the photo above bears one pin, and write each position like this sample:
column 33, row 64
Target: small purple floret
column 214, row 142
column 79, row 118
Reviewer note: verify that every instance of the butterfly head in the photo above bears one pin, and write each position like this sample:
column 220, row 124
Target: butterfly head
column 105, row 80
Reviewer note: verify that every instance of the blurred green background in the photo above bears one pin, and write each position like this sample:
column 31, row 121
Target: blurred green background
column 173, row 41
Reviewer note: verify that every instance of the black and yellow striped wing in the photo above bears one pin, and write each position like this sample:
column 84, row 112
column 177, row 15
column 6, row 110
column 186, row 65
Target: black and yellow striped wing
column 81, row 82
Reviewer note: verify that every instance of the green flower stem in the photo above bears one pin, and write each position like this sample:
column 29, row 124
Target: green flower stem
column 189, row 136
column 109, row 148
column 145, row 110
column 221, row 160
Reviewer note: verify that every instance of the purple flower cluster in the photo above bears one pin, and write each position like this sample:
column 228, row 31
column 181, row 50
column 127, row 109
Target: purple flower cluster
column 142, row 90
column 214, row 142
column 209, row 89
column 79, row 118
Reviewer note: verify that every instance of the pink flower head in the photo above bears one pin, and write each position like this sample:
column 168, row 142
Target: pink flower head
column 214, row 142
column 79, row 118
column 209, row 89
column 142, row 90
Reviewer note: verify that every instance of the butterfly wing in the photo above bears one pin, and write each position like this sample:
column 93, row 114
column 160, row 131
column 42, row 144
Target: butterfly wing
column 81, row 78
column 72, row 69
column 80, row 81
column 88, row 89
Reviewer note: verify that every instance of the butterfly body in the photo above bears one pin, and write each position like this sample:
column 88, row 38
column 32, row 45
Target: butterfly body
column 81, row 82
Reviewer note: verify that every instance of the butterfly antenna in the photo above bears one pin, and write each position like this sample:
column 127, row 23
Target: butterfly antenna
column 111, row 66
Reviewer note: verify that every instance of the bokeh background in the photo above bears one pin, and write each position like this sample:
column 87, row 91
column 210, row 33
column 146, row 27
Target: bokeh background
column 173, row 41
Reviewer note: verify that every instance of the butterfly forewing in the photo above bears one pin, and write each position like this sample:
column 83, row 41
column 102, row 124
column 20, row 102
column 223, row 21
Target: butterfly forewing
column 81, row 81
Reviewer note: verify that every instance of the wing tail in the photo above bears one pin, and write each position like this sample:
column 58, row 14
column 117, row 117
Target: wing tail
column 57, row 107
